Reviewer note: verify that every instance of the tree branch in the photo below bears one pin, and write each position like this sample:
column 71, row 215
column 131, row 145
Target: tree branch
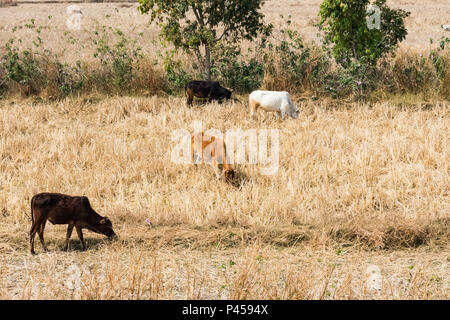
column 225, row 31
column 198, row 15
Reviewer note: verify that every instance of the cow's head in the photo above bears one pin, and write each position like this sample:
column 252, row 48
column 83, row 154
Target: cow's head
column 229, row 175
column 294, row 112
column 105, row 227
column 225, row 94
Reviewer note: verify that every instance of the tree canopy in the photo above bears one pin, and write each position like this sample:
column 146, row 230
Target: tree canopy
column 197, row 26
column 346, row 25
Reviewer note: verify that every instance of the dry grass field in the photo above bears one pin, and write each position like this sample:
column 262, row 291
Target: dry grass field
column 359, row 187
column 351, row 179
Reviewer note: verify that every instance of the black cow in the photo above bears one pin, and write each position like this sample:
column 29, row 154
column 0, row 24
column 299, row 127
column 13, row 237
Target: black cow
column 63, row 209
column 206, row 89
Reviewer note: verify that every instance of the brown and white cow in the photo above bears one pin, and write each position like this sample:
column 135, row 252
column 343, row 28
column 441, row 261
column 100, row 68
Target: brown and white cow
column 213, row 151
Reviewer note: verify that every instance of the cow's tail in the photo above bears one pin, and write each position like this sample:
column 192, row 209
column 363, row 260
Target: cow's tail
column 32, row 214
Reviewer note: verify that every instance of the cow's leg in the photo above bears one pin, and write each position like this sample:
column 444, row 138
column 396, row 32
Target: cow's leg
column 215, row 165
column 284, row 111
column 80, row 235
column 253, row 108
column 68, row 234
column 34, row 229
column 217, row 171
column 196, row 159
column 193, row 151
column 41, row 234
column 189, row 101
column 32, row 234
column 208, row 96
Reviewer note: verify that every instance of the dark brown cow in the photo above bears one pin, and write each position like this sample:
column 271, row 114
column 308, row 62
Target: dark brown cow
column 206, row 89
column 63, row 209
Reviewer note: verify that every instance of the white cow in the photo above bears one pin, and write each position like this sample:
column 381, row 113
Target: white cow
column 446, row 27
column 274, row 101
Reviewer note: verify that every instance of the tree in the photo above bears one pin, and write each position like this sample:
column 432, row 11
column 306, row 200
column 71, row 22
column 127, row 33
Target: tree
column 345, row 23
column 197, row 26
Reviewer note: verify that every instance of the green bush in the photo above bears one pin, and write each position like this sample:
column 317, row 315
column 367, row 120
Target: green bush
column 118, row 57
column 358, row 80
column 24, row 68
column 418, row 73
column 176, row 75
column 286, row 60
column 413, row 73
column 285, row 63
column 241, row 73
column 319, row 66
column 69, row 79
column 242, row 76
column 440, row 62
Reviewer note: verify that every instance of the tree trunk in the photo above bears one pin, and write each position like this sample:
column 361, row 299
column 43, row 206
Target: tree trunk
column 207, row 64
